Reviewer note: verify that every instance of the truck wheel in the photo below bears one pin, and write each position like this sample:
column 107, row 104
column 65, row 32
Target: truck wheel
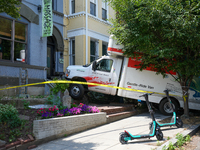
column 76, row 91
column 165, row 108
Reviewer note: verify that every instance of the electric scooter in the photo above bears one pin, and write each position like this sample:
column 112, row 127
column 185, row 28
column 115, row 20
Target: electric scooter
column 155, row 129
column 175, row 121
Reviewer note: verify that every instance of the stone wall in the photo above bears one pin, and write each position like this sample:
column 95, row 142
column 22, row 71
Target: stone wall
column 61, row 126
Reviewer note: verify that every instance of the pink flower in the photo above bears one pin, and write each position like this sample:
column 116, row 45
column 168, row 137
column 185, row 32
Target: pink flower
column 59, row 115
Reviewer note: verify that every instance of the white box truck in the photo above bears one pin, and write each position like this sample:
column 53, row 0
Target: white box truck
column 118, row 70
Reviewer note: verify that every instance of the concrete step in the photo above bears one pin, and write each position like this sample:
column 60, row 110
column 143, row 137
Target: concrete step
column 117, row 112
column 116, row 109
column 120, row 115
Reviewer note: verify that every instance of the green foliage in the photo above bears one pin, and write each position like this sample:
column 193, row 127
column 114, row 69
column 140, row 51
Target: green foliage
column 171, row 146
column 59, row 87
column 187, row 138
column 166, row 33
column 74, row 105
column 9, row 116
column 38, row 96
column 180, row 140
column 10, row 7
column 53, row 100
column 159, row 143
column 26, row 104
column 164, row 147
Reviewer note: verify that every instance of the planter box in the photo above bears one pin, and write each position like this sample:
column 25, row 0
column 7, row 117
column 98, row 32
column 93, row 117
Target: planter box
column 58, row 127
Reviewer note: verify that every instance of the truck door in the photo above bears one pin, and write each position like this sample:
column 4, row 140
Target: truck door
column 106, row 74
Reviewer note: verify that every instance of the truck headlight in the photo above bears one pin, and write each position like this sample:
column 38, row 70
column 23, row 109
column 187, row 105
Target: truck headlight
column 67, row 72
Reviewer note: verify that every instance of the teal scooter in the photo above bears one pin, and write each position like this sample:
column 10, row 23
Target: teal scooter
column 155, row 129
column 175, row 121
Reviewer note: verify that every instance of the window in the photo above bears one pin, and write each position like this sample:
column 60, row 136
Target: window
column 72, row 51
column 104, row 49
column 72, row 6
column 13, row 40
column 93, row 50
column 54, row 5
column 105, row 65
column 104, row 10
column 93, row 7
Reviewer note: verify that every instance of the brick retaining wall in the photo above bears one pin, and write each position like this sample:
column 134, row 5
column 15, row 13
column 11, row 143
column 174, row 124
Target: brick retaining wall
column 67, row 125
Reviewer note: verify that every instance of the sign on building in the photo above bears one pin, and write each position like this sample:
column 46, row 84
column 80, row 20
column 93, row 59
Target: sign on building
column 47, row 18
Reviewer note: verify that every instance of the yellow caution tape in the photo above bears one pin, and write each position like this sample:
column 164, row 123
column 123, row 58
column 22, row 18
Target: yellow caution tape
column 86, row 83
column 184, row 97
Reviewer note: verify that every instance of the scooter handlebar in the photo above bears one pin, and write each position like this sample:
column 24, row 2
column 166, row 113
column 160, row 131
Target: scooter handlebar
column 167, row 90
column 146, row 94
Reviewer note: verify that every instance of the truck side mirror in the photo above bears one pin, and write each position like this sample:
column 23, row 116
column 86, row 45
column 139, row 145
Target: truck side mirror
column 94, row 66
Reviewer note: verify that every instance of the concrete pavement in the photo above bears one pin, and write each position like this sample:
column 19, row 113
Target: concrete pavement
column 106, row 137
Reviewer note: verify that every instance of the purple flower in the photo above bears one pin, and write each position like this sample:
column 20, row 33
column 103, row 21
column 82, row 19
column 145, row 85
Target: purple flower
column 47, row 115
column 85, row 109
column 65, row 112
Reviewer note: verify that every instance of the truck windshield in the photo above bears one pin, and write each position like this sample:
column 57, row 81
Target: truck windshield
column 90, row 63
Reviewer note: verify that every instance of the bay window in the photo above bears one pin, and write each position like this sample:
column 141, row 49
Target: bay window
column 13, row 40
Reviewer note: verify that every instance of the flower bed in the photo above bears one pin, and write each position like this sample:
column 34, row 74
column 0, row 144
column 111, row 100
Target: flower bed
column 64, row 111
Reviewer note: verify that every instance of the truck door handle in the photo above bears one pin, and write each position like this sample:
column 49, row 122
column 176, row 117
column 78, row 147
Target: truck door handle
column 109, row 79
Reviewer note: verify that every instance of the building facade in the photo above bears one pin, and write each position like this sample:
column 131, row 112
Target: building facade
column 22, row 47
column 86, row 30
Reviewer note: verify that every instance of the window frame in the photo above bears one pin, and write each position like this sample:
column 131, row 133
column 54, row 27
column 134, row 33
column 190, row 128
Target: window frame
column 104, row 44
column 72, row 6
column 54, row 5
column 94, row 3
column 104, row 8
column 72, row 55
column 13, row 40
column 96, row 51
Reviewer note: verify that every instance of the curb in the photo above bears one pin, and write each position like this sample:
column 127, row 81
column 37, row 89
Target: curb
column 191, row 130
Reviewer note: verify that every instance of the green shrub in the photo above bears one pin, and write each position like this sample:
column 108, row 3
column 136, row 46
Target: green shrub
column 26, row 104
column 59, row 87
column 9, row 116
column 53, row 100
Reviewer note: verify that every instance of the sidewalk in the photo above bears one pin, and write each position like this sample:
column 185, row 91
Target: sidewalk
column 106, row 137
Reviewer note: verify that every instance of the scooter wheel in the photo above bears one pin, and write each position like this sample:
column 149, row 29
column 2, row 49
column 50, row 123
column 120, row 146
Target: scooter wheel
column 121, row 138
column 159, row 135
column 179, row 123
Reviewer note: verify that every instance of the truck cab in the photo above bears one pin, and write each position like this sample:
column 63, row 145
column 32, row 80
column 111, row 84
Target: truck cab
column 104, row 70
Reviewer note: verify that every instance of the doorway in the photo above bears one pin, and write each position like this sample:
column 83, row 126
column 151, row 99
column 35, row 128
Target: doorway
column 50, row 57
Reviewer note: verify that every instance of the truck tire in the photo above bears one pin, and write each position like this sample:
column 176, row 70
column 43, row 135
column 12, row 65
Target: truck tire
column 165, row 108
column 76, row 91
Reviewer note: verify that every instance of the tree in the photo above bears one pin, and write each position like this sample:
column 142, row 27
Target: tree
column 166, row 32
column 10, row 7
